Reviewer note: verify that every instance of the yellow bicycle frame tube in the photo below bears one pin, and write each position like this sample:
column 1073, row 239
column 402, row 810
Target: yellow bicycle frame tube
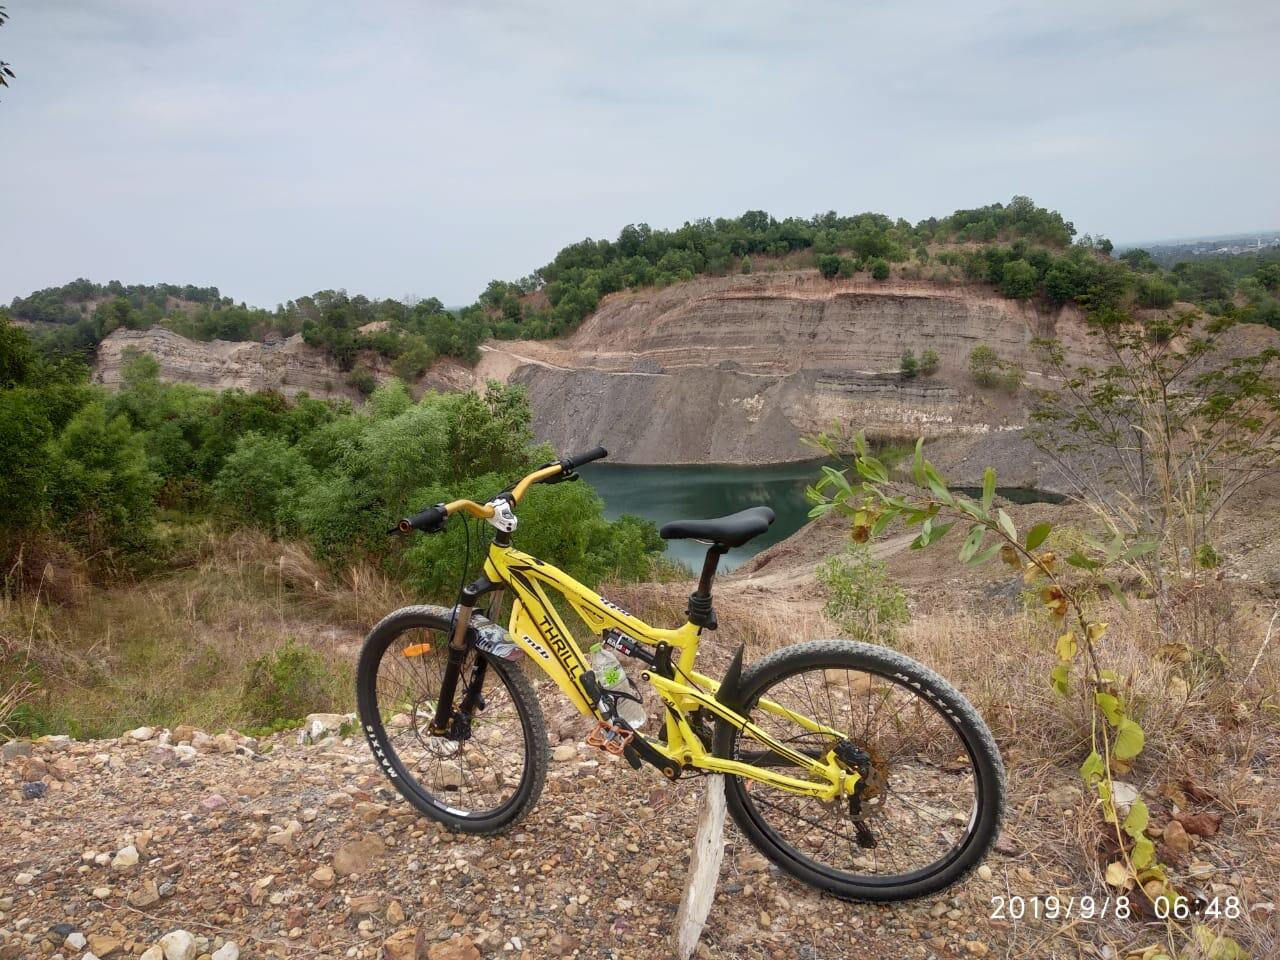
column 539, row 631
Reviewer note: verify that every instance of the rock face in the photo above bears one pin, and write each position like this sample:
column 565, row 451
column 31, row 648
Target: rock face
column 737, row 369
column 289, row 366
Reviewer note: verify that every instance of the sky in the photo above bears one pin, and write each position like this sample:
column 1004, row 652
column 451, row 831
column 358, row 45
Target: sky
column 414, row 148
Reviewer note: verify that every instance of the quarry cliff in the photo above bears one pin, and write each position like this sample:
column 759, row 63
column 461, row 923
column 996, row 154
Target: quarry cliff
column 737, row 369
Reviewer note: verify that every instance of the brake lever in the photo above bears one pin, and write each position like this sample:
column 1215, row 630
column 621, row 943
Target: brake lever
column 562, row 478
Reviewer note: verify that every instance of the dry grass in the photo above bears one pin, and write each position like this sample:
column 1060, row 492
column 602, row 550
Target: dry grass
column 177, row 647
column 1212, row 722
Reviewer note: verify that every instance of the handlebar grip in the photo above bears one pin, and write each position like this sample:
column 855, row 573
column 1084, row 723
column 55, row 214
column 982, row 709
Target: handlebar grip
column 572, row 463
column 430, row 520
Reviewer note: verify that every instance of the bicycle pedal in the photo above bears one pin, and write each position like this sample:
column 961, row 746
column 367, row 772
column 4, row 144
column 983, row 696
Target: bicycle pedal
column 609, row 738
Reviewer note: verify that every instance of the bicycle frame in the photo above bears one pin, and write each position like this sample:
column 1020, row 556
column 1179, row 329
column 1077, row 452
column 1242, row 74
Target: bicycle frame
column 539, row 631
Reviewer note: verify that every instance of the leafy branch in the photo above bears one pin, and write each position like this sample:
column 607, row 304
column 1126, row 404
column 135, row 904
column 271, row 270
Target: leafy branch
column 873, row 499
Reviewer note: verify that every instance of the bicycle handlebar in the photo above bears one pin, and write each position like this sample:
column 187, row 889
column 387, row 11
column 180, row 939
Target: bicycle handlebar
column 431, row 520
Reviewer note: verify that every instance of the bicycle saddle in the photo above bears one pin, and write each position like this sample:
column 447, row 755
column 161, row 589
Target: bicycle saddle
column 731, row 531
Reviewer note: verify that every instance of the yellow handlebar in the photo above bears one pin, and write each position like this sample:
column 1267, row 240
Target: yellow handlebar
column 482, row 511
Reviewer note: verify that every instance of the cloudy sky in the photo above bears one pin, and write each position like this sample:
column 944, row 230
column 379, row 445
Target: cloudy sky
column 399, row 147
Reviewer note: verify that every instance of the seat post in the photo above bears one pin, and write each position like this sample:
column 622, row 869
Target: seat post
column 700, row 611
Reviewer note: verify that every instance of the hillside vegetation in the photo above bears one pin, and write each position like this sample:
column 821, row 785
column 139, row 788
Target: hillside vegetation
column 114, row 488
column 1021, row 250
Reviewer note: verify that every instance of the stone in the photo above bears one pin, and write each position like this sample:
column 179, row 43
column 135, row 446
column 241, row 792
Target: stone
column 285, row 838
column 366, row 905
column 984, row 872
column 1122, row 795
column 183, row 733
column 402, row 945
column 1176, row 837
column 24, row 879
column 1066, row 797
column 125, row 859
column 322, row 877
column 228, row 951
column 459, row 948
column 565, row 752
column 15, row 749
column 101, row 893
column 178, row 945
column 214, row 801
column 356, row 856
column 104, row 946
column 145, row 896
column 153, row 952
column 395, row 913
column 75, row 941
column 34, row 790
column 141, row 734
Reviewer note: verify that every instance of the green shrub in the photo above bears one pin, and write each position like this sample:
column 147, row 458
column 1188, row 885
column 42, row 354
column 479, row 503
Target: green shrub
column 929, row 363
column 745, row 266
column 848, row 267
column 879, row 269
column 828, row 265
column 908, row 367
column 1018, row 280
column 862, row 597
column 362, row 381
column 262, row 480
column 287, row 684
column 984, row 366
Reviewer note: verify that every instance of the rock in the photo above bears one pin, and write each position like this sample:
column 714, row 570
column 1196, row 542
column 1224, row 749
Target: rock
column 75, row 941
column 395, row 913
column 125, row 859
column 24, row 879
column 1176, row 838
column 183, row 733
column 225, row 743
column 228, row 951
column 178, row 945
column 1201, row 824
column 1122, row 795
column 145, row 896
column 104, row 946
column 1066, row 797
column 202, row 742
column 366, row 905
column 214, row 801
column 34, row 790
column 185, row 754
column 322, row 877
column 450, row 774
column 15, row 749
column 101, row 893
column 285, row 838
column 356, row 856
column 141, row 734
column 459, row 948
column 321, row 726
column 984, row 872
column 153, row 952
column 565, row 752
column 402, row 945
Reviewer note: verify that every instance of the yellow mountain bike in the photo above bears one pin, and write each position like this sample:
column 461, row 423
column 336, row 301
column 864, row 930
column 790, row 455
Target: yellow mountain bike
column 850, row 766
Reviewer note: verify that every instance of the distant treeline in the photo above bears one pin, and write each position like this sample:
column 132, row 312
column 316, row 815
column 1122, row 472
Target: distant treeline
column 1022, row 250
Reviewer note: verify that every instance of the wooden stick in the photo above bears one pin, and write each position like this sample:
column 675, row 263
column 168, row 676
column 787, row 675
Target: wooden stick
column 704, row 870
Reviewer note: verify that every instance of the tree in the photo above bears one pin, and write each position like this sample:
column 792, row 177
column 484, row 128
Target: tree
column 1018, row 280
column 828, row 265
column 984, row 366
column 1159, row 439
column 6, row 74
column 909, row 366
column 880, row 269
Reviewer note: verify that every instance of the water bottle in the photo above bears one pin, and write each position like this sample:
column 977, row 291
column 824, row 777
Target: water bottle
column 611, row 676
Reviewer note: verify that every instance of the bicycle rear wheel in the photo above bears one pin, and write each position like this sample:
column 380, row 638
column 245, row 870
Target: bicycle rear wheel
column 487, row 771
column 932, row 798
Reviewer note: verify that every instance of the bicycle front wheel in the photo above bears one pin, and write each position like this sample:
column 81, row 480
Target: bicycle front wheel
column 488, row 768
column 932, row 795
